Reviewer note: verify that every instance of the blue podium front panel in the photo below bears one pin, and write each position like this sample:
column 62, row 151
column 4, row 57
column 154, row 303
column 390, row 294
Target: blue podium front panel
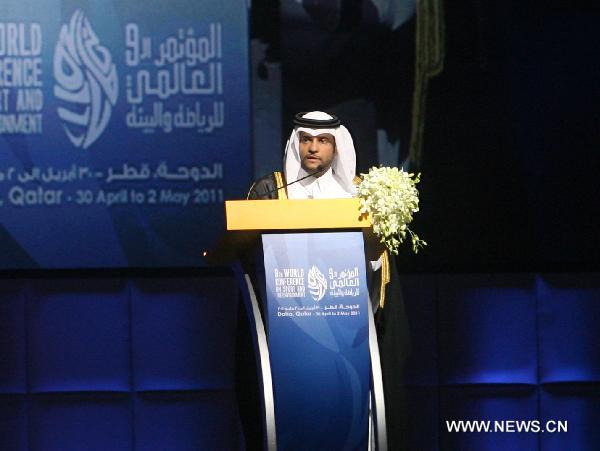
column 318, row 339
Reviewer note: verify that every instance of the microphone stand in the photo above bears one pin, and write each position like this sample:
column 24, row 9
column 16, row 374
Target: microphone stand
column 296, row 181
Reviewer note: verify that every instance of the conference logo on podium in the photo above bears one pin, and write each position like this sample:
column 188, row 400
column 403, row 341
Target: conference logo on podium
column 86, row 81
column 317, row 283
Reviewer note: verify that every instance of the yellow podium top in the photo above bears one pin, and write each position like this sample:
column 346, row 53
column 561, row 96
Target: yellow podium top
column 294, row 214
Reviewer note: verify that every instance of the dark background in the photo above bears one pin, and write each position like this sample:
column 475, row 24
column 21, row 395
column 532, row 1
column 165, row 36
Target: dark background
column 511, row 152
column 511, row 137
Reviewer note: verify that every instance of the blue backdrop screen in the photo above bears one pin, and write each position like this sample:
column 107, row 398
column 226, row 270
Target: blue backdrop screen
column 123, row 127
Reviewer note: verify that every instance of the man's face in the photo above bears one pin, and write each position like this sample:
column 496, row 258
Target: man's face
column 316, row 152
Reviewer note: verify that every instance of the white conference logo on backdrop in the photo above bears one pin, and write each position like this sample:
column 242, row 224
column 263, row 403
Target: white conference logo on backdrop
column 86, row 80
column 317, row 284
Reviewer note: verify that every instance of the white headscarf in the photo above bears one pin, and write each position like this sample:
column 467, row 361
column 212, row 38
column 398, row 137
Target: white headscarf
column 343, row 165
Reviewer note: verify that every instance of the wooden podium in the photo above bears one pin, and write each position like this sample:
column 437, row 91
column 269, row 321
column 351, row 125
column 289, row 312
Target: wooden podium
column 314, row 275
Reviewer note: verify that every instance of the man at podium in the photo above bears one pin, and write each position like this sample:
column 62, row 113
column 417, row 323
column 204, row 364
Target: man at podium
column 320, row 163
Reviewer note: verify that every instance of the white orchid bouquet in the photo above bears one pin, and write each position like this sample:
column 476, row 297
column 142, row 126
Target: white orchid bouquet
column 390, row 197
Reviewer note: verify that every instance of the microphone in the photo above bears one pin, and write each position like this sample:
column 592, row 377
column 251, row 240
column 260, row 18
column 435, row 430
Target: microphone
column 318, row 171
